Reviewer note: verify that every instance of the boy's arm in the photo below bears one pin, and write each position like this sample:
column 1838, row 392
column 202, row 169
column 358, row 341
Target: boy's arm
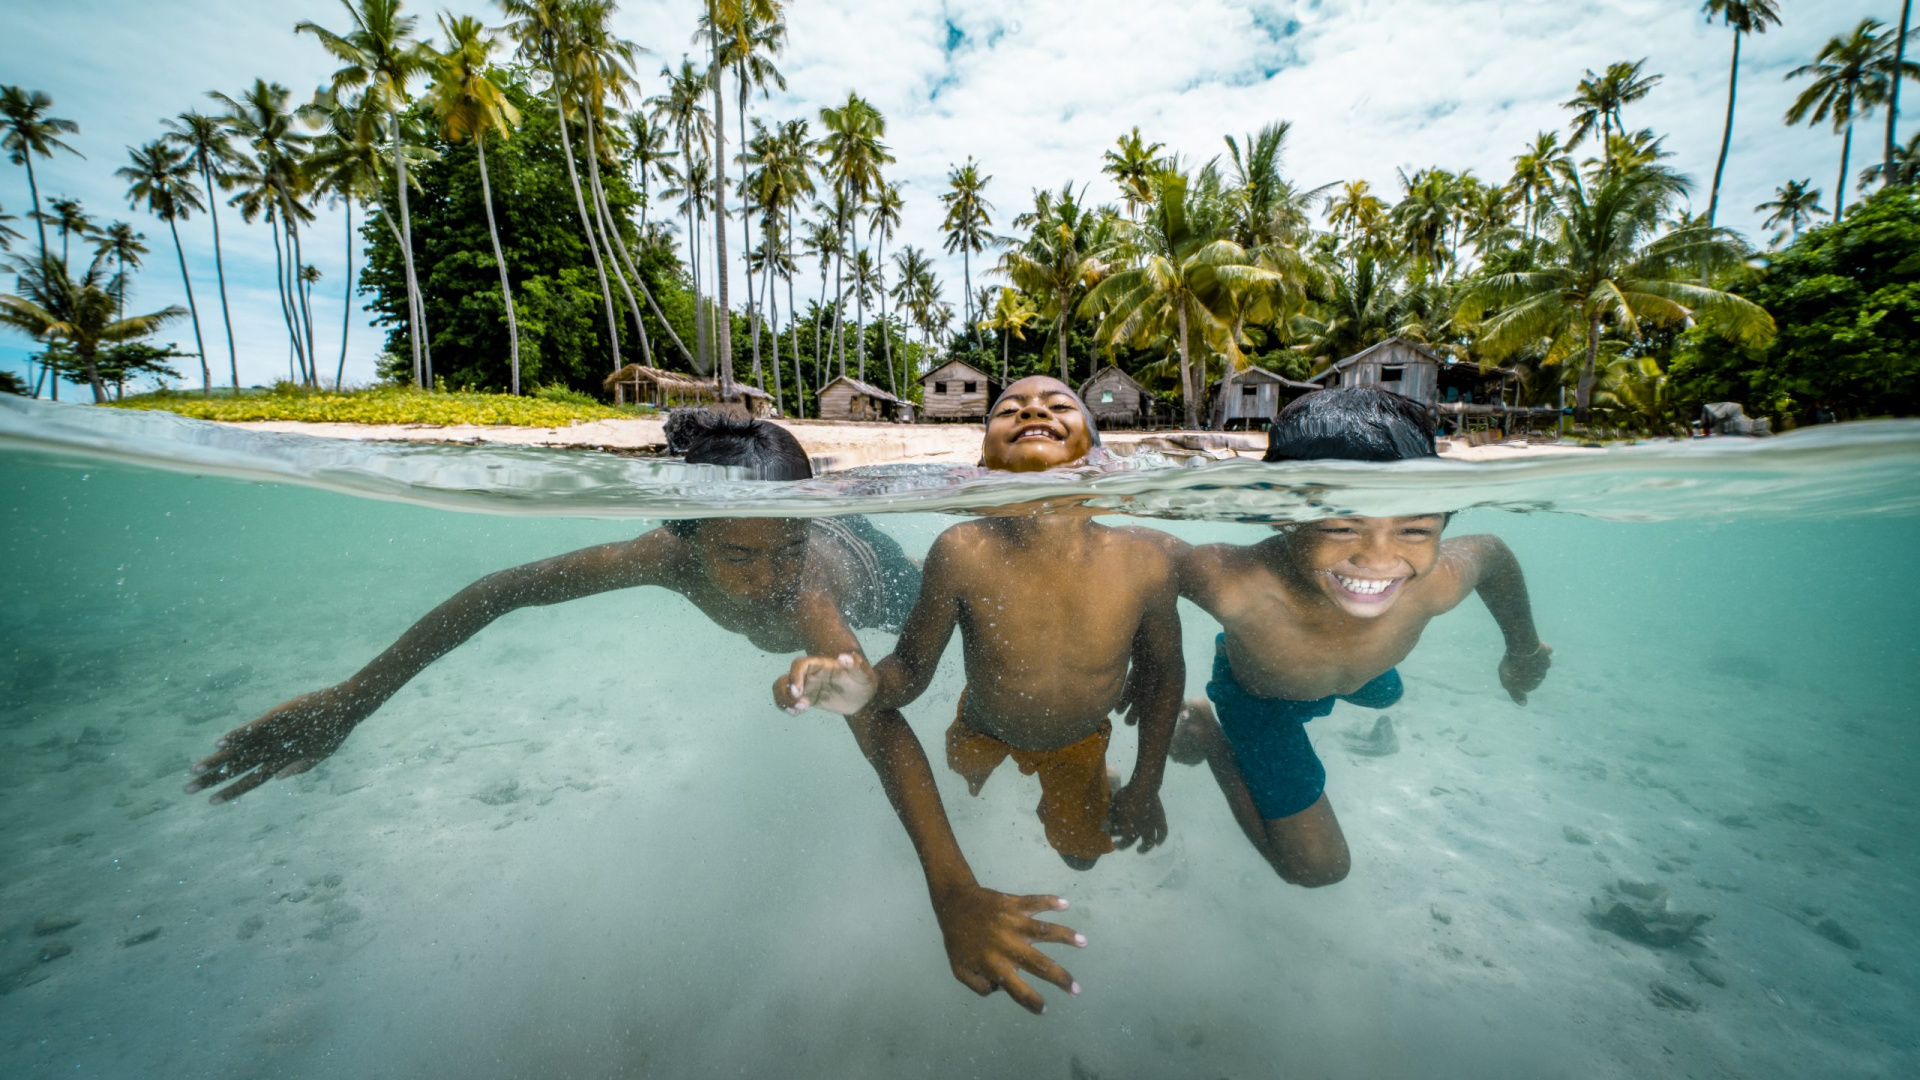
column 296, row 735
column 1158, row 679
column 990, row 936
column 1489, row 567
column 841, row 681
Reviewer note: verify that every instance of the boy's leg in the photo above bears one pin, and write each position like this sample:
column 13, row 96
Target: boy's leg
column 1306, row 848
column 1074, row 797
column 973, row 755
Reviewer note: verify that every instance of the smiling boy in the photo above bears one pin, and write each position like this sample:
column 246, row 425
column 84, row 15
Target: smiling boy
column 1053, row 610
column 1321, row 612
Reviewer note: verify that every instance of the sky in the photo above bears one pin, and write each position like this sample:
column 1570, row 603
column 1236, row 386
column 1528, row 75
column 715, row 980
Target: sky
column 1035, row 92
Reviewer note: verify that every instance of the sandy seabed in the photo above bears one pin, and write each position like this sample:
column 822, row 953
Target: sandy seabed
column 585, row 845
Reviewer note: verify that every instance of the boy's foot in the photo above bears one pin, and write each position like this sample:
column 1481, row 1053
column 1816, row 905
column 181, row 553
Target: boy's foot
column 1193, row 732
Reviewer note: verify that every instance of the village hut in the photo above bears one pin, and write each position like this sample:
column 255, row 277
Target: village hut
column 956, row 390
column 1250, row 397
column 851, row 399
column 1117, row 400
column 1464, row 398
column 665, row 390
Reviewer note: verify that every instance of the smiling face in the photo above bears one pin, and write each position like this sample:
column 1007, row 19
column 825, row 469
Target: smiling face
column 754, row 560
column 1363, row 564
column 1037, row 424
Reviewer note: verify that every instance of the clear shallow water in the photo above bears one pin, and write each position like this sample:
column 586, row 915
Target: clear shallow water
column 585, row 844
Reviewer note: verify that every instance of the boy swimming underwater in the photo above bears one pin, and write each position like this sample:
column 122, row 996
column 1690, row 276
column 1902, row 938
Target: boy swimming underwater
column 1053, row 611
column 1322, row 611
column 784, row 584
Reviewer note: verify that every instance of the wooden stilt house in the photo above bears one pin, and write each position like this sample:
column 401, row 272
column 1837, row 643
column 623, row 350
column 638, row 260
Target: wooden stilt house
column 956, row 390
column 851, row 399
column 1249, row 398
column 1117, row 400
column 666, row 390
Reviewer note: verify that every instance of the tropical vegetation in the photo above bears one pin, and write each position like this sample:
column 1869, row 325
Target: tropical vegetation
column 526, row 207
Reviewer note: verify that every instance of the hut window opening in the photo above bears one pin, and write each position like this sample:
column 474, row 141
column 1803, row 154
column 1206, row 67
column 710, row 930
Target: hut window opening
column 1391, row 374
column 1249, row 391
column 1106, row 397
column 971, row 387
column 939, row 388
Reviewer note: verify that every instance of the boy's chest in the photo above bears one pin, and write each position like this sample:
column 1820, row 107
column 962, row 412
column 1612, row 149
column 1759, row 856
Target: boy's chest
column 1275, row 654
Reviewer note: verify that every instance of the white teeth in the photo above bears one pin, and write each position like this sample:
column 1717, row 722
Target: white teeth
column 1364, row 586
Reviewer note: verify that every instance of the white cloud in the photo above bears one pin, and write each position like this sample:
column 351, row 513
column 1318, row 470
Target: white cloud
column 1034, row 91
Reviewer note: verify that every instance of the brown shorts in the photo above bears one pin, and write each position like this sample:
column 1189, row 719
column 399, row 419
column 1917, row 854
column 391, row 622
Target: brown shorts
column 1074, row 796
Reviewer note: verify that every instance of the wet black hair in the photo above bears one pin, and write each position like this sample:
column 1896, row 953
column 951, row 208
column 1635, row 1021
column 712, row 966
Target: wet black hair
column 711, row 437
column 1351, row 423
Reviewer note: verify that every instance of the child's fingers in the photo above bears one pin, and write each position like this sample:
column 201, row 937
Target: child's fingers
column 1039, row 902
column 1041, row 966
column 1020, row 992
column 241, row 786
column 974, row 981
column 1052, row 933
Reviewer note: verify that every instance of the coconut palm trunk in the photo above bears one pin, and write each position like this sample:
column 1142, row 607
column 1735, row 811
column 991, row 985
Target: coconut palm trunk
column 1840, row 188
column 611, row 236
column 886, row 332
column 406, row 255
column 206, row 376
column 280, row 286
column 1893, row 103
column 306, row 304
column 1061, row 334
column 793, row 327
column 580, row 205
column 1188, row 399
column 1583, row 390
column 499, row 260
column 746, row 231
column 1726, row 137
column 723, row 318
column 773, row 330
column 220, row 271
column 346, row 308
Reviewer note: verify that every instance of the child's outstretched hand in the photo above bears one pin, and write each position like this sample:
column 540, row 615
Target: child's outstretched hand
column 288, row 740
column 842, row 684
column 990, row 940
column 1137, row 815
column 1523, row 673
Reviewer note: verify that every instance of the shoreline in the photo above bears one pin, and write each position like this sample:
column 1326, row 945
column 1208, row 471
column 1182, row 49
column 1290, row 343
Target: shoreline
column 836, row 444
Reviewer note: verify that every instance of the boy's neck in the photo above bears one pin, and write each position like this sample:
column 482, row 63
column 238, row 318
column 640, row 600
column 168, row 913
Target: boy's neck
column 1044, row 524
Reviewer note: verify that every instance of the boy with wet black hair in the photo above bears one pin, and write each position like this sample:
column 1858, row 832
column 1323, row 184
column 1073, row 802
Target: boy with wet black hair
column 1321, row 612
column 1054, row 613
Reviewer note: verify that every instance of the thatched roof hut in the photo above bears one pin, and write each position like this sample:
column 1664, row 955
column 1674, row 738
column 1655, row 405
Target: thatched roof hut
column 671, row 389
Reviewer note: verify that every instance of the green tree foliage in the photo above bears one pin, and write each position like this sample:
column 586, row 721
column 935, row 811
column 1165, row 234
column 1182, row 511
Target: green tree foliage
column 563, row 334
column 1847, row 299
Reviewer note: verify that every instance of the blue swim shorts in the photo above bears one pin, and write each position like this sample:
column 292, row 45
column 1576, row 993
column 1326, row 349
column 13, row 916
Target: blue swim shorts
column 1269, row 735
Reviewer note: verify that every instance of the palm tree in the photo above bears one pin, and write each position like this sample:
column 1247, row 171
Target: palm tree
column 31, row 133
column 969, row 216
column 1538, row 170
column 1850, row 76
column 824, row 243
column 862, row 285
column 1013, row 312
column 205, row 142
column 381, row 54
column 1743, row 17
column 162, row 178
column 1425, row 215
column 1794, row 206
column 120, row 243
column 1600, row 99
column 71, row 219
column 8, row 234
column 1356, row 210
column 782, row 179
column 273, row 184
column 1904, row 171
column 882, row 221
column 1131, row 163
column 682, row 110
column 647, row 150
column 1893, row 98
column 1607, row 268
column 349, row 165
column 469, row 106
column 54, row 307
column 1186, row 282
column 1362, row 301
column 1060, row 260
column 746, row 36
column 854, row 155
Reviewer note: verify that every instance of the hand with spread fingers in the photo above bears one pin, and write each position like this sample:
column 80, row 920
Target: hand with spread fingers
column 288, row 740
column 1137, row 815
column 842, row 684
column 991, row 937
column 1522, row 673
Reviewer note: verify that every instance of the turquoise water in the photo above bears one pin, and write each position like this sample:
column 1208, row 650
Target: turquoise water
column 586, row 845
